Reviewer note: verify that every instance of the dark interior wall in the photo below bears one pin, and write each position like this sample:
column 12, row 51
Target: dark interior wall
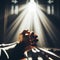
column 3, row 4
column 2, row 7
column 57, row 8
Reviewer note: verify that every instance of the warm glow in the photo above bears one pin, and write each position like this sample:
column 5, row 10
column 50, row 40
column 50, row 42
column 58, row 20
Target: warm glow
column 12, row 9
column 32, row 18
column 31, row 0
column 16, row 9
column 48, row 9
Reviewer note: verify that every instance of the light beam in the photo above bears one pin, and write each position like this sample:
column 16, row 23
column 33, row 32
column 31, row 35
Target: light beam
column 32, row 18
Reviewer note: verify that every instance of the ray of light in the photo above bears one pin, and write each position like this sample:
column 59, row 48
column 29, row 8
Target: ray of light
column 16, row 23
column 21, row 15
column 47, row 24
column 32, row 19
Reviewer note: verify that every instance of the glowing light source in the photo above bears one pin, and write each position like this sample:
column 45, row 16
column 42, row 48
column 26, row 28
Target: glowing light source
column 31, row 0
column 31, row 6
column 48, row 10
column 14, row 1
column 12, row 9
column 16, row 9
column 50, row 1
column 32, row 18
column 52, row 9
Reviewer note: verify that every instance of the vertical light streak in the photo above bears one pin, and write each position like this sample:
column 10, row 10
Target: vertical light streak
column 12, row 9
column 52, row 9
column 32, row 18
column 16, row 9
column 48, row 9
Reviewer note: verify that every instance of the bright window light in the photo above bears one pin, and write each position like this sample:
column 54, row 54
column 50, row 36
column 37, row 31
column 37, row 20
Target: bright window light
column 48, row 10
column 12, row 9
column 14, row 1
column 31, row 0
column 52, row 9
column 16, row 9
column 31, row 6
column 32, row 18
column 50, row 1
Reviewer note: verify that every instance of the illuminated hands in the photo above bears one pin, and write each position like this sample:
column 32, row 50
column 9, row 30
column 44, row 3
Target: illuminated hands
column 29, row 37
